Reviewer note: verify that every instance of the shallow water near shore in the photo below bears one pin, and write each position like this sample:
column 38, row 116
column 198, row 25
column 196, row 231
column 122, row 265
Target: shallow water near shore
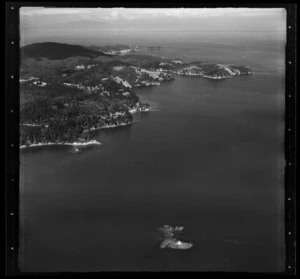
column 209, row 158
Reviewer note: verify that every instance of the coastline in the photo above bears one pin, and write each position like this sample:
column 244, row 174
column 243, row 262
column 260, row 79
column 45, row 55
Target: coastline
column 91, row 142
column 139, row 109
column 107, row 127
column 203, row 75
column 132, row 110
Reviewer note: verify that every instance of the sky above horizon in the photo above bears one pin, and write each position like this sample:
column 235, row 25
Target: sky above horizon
column 63, row 24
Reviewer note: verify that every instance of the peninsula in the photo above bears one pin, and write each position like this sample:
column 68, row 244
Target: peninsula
column 67, row 90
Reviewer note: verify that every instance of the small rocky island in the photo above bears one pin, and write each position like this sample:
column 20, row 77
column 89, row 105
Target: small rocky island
column 170, row 238
column 66, row 91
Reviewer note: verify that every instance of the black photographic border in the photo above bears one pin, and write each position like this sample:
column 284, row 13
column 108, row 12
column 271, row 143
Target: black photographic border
column 12, row 105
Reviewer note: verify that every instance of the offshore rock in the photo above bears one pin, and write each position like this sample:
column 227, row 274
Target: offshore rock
column 170, row 240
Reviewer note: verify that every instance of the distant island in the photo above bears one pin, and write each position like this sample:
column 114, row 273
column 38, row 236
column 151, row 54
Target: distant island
column 66, row 91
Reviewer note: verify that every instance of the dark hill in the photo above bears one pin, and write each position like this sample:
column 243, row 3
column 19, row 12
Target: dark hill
column 57, row 51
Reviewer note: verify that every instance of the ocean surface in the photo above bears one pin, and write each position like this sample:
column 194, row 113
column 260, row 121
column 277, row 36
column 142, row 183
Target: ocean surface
column 209, row 157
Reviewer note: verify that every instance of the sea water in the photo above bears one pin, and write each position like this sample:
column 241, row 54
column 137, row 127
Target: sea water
column 208, row 158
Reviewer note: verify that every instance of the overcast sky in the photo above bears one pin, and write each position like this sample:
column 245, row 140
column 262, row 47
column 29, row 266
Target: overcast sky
column 37, row 21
